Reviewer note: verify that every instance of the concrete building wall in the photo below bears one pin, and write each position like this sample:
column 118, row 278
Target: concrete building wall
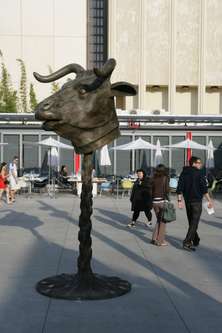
column 156, row 42
column 42, row 33
column 169, row 44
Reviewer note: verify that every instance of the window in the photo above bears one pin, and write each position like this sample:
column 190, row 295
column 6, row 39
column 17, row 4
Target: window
column 12, row 148
column 30, row 152
column 143, row 156
column 200, row 153
column 97, row 32
column 67, row 156
column 217, row 142
column 164, row 140
column 45, row 149
column 123, row 157
column 177, row 155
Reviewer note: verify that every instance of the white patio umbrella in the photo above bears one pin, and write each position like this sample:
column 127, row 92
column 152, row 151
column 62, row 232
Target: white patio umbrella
column 142, row 144
column 210, row 155
column 50, row 142
column 53, row 158
column 158, row 154
column 187, row 144
column 135, row 145
column 104, row 156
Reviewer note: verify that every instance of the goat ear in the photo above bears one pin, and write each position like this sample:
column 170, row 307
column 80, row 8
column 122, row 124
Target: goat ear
column 123, row 89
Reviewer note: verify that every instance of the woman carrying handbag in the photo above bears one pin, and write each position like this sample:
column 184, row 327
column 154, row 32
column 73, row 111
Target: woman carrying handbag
column 160, row 191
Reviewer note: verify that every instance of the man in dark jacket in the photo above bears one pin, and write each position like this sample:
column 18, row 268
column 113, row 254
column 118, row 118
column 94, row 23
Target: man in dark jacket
column 141, row 198
column 192, row 186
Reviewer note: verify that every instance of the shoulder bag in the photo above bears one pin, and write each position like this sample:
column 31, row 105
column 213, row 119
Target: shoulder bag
column 169, row 211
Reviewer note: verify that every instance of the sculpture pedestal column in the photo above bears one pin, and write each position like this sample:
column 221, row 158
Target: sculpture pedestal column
column 84, row 284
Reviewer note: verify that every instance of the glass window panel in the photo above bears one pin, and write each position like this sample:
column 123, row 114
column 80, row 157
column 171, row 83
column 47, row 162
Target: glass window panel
column 30, row 153
column 44, row 149
column 143, row 156
column 217, row 142
column 177, row 155
column 123, row 157
column 12, row 148
column 200, row 153
column 67, row 156
column 164, row 140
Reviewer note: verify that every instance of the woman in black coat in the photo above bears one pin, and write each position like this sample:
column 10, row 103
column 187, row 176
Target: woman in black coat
column 141, row 198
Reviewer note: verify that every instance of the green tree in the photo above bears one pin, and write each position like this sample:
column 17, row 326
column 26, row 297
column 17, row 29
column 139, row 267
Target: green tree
column 55, row 85
column 23, row 87
column 8, row 96
column 32, row 97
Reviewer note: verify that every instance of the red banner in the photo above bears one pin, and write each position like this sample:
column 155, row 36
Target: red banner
column 189, row 151
column 77, row 163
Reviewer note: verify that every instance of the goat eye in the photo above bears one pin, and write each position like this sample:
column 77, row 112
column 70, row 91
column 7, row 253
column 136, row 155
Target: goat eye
column 82, row 91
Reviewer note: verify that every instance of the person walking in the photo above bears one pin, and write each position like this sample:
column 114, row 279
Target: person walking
column 192, row 186
column 160, row 191
column 13, row 177
column 4, row 182
column 141, row 198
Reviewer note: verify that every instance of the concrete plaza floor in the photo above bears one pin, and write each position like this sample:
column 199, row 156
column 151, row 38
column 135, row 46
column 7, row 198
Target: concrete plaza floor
column 172, row 290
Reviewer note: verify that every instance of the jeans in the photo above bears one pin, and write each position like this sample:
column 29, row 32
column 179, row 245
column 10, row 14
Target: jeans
column 136, row 214
column 194, row 210
column 160, row 227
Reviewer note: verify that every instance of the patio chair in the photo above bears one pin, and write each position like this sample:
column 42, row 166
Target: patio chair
column 105, row 187
column 63, row 185
column 173, row 184
column 40, row 186
column 126, row 186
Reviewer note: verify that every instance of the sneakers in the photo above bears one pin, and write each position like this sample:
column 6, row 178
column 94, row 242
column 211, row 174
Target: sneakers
column 131, row 225
column 148, row 224
column 188, row 247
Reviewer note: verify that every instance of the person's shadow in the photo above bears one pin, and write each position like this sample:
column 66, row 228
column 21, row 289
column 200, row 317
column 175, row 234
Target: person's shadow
column 22, row 220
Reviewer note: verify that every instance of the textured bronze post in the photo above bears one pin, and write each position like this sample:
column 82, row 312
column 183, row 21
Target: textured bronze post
column 85, row 284
column 85, row 224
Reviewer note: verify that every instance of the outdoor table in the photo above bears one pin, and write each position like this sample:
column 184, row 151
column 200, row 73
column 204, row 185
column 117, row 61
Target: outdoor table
column 23, row 184
column 30, row 179
column 78, row 183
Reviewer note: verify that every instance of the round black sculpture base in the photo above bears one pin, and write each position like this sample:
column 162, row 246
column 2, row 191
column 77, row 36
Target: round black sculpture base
column 74, row 287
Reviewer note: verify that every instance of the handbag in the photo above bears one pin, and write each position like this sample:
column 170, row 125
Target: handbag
column 169, row 212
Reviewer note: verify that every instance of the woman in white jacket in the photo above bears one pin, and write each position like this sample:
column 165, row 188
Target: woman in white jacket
column 13, row 177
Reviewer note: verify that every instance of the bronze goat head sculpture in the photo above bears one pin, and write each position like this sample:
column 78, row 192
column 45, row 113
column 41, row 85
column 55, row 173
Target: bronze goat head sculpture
column 83, row 110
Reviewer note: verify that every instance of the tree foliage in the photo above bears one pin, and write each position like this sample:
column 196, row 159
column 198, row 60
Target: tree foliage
column 8, row 96
column 55, row 85
column 23, row 87
column 32, row 97
column 10, row 99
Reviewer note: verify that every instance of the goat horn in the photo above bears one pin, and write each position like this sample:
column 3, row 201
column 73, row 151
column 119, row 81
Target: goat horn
column 107, row 68
column 71, row 68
